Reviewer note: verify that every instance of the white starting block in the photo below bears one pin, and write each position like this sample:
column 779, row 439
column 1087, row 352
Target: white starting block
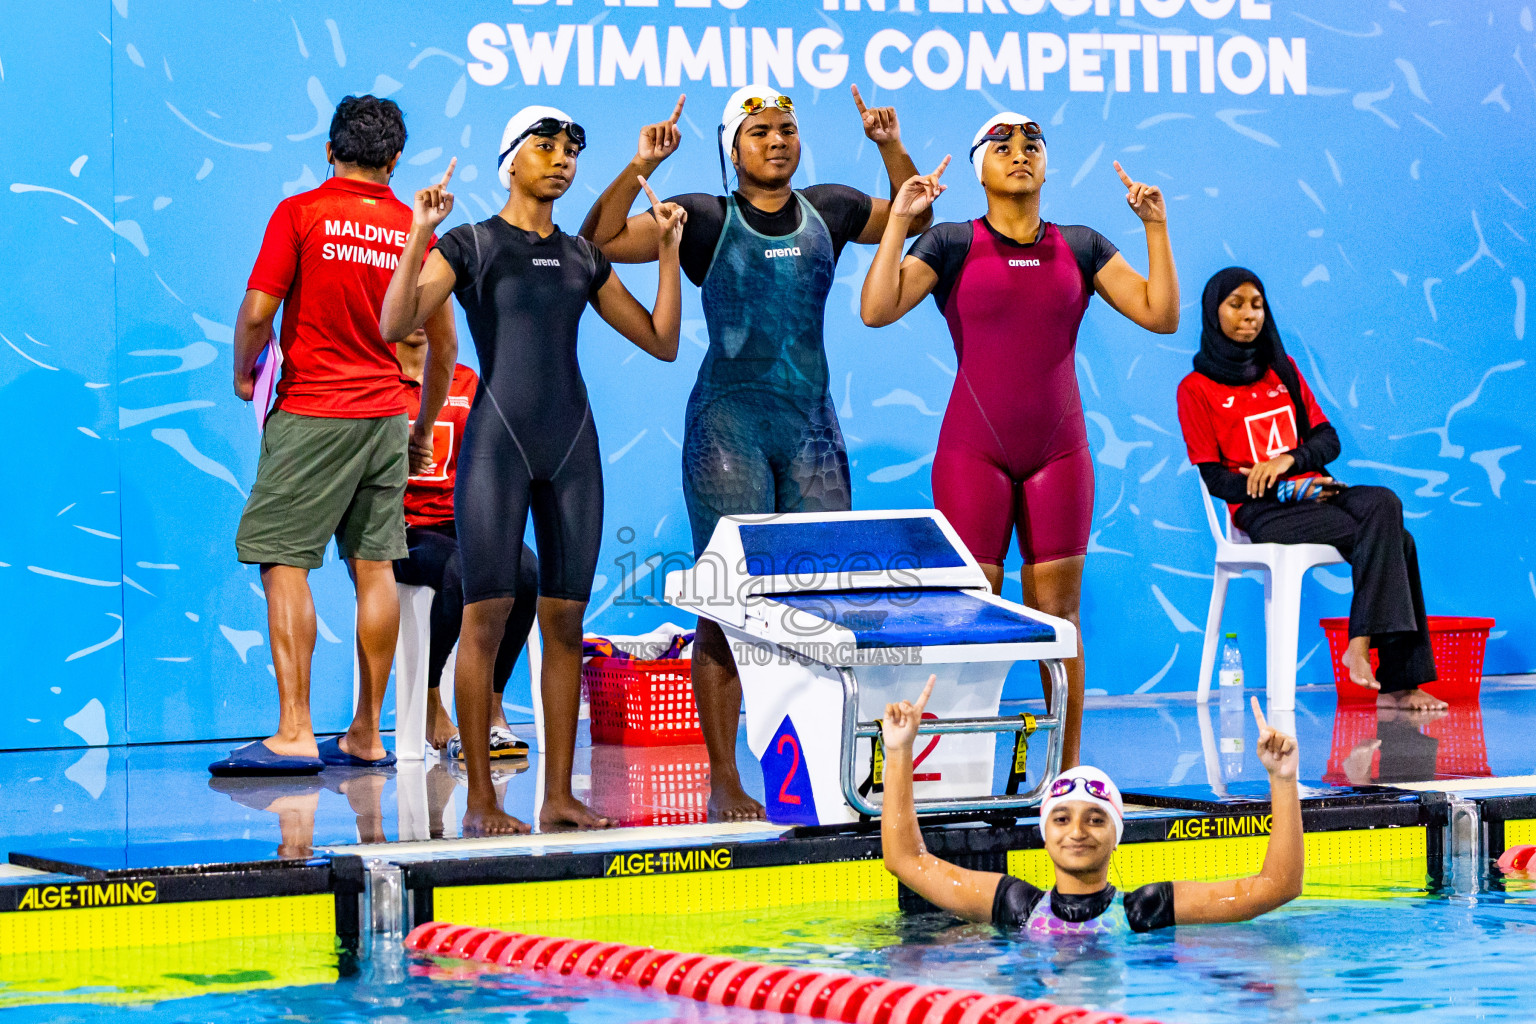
column 831, row 616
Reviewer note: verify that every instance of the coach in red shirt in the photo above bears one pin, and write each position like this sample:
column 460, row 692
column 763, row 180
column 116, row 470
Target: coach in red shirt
column 1261, row 443
column 336, row 451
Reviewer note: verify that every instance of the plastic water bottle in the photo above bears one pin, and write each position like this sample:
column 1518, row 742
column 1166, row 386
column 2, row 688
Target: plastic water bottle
column 1233, row 721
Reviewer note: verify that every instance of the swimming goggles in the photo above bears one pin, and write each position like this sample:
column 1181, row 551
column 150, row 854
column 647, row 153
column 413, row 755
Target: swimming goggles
column 749, row 106
column 548, row 128
column 756, row 104
column 1002, row 132
column 1093, row 787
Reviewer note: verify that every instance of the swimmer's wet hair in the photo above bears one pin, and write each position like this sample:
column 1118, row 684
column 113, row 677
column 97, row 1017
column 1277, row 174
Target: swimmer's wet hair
column 367, row 131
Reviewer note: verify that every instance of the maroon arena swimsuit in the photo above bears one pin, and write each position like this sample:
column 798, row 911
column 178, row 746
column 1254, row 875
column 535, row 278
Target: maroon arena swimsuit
column 1013, row 448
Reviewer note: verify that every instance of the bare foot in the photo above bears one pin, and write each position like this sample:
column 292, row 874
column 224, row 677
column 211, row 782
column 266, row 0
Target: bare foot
column 1411, row 700
column 1360, row 671
column 293, row 746
column 1413, row 716
column 492, row 822
column 368, row 746
column 729, row 802
column 568, row 812
column 440, row 728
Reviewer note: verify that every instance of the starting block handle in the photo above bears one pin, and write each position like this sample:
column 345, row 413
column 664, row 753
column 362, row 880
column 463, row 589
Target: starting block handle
column 945, row 726
column 854, row 730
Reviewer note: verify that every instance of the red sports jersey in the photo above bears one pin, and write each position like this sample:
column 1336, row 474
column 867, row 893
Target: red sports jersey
column 429, row 497
column 329, row 254
column 1243, row 425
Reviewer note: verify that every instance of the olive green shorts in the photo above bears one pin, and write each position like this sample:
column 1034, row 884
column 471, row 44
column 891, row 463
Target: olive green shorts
column 322, row 476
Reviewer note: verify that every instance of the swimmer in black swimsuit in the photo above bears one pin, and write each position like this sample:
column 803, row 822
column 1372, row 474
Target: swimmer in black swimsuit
column 1081, row 822
column 530, row 443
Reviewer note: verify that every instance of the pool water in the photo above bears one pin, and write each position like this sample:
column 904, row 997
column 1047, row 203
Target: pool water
column 1393, row 951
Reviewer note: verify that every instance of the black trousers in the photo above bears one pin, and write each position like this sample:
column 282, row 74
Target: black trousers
column 434, row 562
column 1366, row 525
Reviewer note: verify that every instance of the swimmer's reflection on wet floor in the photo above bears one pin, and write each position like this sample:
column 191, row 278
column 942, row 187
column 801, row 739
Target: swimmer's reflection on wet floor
column 1398, row 745
column 293, row 801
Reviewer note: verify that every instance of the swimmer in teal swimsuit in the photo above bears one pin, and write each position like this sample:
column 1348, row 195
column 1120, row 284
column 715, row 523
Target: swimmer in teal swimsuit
column 1081, row 821
column 760, row 433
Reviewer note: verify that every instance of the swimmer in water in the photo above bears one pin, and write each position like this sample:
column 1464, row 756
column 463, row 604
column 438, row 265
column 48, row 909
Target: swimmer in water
column 1013, row 449
column 1081, row 822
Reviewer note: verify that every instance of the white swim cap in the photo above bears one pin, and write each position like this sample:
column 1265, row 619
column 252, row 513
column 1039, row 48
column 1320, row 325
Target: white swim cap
column 1073, row 784
column 735, row 113
column 519, row 123
column 978, row 151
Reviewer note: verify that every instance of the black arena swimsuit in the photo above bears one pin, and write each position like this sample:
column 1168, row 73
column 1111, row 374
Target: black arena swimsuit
column 530, row 443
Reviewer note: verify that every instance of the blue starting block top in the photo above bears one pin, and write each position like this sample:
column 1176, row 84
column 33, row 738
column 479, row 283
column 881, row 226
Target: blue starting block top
column 856, row 545
column 919, row 618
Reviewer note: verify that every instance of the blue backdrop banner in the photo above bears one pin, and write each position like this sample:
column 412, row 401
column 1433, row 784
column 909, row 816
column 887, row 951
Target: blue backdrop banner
column 1364, row 158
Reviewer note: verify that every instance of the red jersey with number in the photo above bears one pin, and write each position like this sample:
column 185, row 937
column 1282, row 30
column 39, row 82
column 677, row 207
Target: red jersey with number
column 1244, row 425
column 429, row 497
column 329, row 254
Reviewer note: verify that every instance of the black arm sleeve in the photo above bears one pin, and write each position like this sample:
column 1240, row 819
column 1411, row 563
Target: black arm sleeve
column 844, row 208
column 1014, row 902
column 1150, row 907
column 453, row 245
column 601, row 268
column 1223, row 483
column 706, row 219
column 1091, row 250
column 1319, row 449
column 944, row 248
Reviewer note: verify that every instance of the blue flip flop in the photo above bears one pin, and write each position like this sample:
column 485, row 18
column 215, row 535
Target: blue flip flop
column 259, row 759
column 334, row 757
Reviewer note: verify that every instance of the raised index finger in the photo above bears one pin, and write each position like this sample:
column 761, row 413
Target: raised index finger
column 922, row 700
column 1258, row 715
column 655, row 203
column 1125, row 179
column 938, row 172
column 677, row 111
column 449, row 172
column 857, row 99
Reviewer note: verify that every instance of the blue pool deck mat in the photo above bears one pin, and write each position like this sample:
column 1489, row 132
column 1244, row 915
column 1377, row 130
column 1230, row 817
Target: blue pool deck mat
column 788, row 553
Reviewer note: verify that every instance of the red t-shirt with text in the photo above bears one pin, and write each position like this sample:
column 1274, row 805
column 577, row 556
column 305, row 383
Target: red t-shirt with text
column 429, row 497
column 329, row 254
column 1243, row 425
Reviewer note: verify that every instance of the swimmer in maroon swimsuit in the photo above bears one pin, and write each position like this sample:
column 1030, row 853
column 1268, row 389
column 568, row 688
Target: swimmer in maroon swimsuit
column 1013, row 449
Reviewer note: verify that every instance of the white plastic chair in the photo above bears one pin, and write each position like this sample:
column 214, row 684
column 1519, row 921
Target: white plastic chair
column 1284, row 567
column 410, row 671
column 411, row 650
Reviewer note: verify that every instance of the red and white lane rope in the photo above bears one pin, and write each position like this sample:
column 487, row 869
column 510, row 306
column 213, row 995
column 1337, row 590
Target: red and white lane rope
column 725, row 981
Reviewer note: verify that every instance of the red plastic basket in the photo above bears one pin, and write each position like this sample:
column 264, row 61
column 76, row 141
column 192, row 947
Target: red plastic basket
column 651, row 785
column 642, row 703
column 1457, row 641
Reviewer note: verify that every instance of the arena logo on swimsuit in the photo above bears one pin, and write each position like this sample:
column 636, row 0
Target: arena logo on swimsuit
column 793, row 250
column 1023, row 263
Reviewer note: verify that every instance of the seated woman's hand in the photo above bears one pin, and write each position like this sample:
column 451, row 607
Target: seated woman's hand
column 1264, row 475
column 1317, row 488
column 899, row 726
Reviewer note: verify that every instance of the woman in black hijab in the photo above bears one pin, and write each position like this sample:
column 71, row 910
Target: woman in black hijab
column 1261, row 443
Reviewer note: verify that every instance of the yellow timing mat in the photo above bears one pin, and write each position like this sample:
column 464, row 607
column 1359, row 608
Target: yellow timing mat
column 162, row 924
